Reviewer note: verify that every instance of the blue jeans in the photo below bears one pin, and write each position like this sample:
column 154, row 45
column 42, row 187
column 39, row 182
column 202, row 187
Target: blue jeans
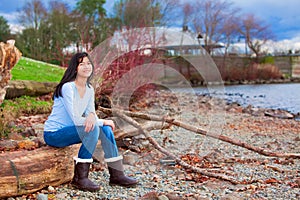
column 76, row 134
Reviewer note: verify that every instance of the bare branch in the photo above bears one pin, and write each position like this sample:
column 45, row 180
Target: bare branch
column 200, row 131
column 168, row 153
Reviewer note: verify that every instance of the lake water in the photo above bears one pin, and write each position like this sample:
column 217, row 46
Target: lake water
column 276, row 96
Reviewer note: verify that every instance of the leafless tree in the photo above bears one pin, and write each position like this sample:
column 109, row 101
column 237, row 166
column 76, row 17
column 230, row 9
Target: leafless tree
column 230, row 32
column 32, row 14
column 187, row 13
column 169, row 10
column 209, row 18
column 256, row 33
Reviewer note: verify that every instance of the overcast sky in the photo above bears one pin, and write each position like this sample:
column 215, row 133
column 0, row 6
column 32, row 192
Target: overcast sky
column 282, row 15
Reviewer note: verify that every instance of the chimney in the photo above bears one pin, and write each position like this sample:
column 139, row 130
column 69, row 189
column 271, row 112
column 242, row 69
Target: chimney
column 185, row 28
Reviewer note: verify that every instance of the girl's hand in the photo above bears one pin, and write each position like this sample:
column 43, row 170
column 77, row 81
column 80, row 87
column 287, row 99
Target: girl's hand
column 90, row 122
column 110, row 123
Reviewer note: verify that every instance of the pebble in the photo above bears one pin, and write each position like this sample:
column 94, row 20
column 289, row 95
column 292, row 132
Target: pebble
column 161, row 180
column 163, row 197
column 42, row 197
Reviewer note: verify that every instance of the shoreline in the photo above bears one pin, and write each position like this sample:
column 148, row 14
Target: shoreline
column 235, row 82
column 277, row 178
column 243, row 97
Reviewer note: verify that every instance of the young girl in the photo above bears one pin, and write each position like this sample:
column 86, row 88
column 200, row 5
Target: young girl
column 73, row 120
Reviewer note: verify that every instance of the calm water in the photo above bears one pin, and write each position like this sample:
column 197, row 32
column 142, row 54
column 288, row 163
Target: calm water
column 276, row 96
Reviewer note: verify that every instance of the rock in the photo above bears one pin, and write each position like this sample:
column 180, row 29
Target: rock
column 163, row 197
column 51, row 189
column 173, row 196
column 28, row 132
column 298, row 181
column 297, row 139
column 61, row 195
column 130, row 158
column 152, row 168
column 149, row 196
column 8, row 144
column 279, row 114
column 15, row 136
column 167, row 161
column 42, row 197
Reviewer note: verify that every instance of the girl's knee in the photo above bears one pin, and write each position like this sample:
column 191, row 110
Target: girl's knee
column 106, row 128
column 107, row 132
column 95, row 132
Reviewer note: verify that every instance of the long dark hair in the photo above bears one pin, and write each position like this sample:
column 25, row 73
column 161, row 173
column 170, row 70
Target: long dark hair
column 71, row 72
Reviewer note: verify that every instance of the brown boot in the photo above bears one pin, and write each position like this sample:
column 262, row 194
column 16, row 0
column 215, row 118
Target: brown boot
column 117, row 176
column 81, row 172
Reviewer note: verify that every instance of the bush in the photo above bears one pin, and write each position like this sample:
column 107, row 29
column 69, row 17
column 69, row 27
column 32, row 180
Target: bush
column 268, row 60
column 265, row 72
column 252, row 72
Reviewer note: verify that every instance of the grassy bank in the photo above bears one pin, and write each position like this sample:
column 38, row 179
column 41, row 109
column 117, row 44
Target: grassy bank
column 11, row 109
column 33, row 70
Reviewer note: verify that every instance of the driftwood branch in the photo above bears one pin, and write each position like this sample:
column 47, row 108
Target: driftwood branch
column 133, row 131
column 200, row 131
column 166, row 152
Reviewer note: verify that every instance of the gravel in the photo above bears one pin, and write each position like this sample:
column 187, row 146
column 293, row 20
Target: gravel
column 269, row 177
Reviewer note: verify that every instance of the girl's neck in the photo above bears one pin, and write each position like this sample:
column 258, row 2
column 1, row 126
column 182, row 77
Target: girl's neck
column 80, row 82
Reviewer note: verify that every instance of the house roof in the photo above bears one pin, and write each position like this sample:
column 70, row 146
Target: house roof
column 157, row 37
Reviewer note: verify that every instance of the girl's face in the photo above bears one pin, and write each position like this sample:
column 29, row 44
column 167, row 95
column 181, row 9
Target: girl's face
column 84, row 68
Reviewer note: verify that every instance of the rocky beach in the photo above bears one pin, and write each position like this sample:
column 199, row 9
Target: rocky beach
column 160, row 177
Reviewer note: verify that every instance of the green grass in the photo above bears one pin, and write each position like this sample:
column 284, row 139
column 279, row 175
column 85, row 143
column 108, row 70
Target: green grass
column 27, row 105
column 11, row 109
column 33, row 70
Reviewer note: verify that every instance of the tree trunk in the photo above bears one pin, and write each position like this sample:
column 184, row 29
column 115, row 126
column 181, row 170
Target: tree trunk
column 28, row 88
column 24, row 172
column 9, row 56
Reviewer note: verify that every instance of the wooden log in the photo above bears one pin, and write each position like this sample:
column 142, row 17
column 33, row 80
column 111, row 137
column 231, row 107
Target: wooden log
column 27, row 171
column 200, row 131
column 24, row 172
column 9, row 56
column 131, row 131
column 29, row 88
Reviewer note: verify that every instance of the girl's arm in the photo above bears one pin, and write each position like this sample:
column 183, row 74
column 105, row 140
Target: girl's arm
column 91, row 109
column 69, row 104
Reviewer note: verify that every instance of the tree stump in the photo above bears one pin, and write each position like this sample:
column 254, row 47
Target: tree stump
column 24, row 172
column 9, row 56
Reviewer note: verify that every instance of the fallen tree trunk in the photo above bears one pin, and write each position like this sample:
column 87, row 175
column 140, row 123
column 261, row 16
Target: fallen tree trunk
column 27, row 171
column 28, row 88
column 24, row 172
